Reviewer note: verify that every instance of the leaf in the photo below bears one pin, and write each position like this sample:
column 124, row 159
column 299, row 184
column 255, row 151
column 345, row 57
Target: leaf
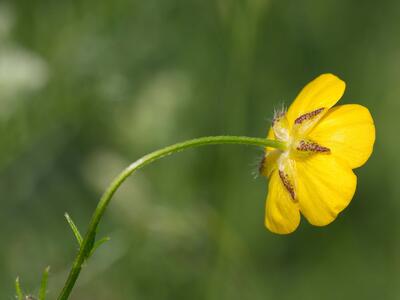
column 74, row 229
column 18, row 290
column 98, row 244
column 43, row 285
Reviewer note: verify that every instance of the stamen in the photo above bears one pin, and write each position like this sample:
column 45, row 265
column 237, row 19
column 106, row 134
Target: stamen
column 288, row 185
column 309, row 115
column 309, row 146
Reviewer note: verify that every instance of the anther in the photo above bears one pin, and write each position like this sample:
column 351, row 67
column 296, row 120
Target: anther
column 309, row 146
column 309, row 115
column 288, row 185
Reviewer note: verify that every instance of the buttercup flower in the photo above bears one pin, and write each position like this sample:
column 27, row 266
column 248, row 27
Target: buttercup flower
column 314, row 175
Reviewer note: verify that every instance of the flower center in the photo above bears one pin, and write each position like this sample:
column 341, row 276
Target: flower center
column 298, row 145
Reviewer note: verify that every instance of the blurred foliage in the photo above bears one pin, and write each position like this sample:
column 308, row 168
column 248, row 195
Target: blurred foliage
column 88, row 86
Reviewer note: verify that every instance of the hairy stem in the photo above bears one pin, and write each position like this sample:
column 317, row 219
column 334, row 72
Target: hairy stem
column 89, row 238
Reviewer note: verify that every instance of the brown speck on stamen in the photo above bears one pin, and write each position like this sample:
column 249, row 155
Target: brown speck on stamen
column 308, row 116
column 308, row 146
column 288, row 185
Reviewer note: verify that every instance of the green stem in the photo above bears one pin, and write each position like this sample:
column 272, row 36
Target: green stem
column 89, row 238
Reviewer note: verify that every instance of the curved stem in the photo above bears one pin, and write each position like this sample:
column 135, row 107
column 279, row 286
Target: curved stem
column 89, row 238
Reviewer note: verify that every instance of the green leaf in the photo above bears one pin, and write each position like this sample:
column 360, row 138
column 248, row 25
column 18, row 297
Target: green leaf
column 74, row 229
column 18, row 290
column 98, row 244
column 43, row 285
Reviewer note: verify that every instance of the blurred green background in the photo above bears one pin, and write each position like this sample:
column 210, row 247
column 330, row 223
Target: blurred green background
column 86, row 87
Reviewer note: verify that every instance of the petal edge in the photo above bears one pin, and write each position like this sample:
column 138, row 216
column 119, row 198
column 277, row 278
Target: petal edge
column 325, row 187
column 322, row 92
column 349, row 131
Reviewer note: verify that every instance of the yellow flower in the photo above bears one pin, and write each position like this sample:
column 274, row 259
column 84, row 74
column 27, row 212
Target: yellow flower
column 314, row 175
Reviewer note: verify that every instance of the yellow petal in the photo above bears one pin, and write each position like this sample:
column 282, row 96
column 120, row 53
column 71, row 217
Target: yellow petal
column 270, row 162
column 325, row 186
column 282, row 213
column 323, row 92
column 348, row 131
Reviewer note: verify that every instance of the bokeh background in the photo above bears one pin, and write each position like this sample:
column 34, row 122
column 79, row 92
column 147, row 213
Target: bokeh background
column 88, row 86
